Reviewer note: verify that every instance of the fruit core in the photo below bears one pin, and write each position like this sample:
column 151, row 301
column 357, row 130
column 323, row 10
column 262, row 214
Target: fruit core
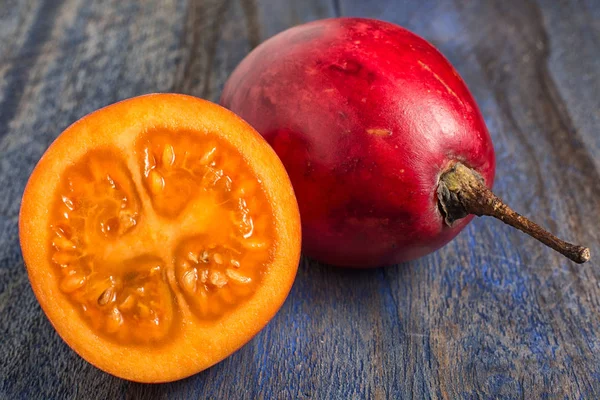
column 180, row 227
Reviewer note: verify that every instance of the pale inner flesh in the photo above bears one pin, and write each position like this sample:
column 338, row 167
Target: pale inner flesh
column 180, row 226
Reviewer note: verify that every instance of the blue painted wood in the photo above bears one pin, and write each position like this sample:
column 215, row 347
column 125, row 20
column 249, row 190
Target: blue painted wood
column 491, row 315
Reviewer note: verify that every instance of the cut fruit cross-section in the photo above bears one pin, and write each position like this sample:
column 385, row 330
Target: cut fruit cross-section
column 160, row 234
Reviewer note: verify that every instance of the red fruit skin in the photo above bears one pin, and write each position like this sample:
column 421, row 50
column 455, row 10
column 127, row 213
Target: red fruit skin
column 365, row 116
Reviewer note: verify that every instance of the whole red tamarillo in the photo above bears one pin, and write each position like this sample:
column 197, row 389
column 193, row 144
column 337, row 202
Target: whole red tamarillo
column 386, row 148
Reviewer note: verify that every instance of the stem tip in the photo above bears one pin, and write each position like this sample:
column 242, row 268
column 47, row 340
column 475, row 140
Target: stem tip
column 462, row 191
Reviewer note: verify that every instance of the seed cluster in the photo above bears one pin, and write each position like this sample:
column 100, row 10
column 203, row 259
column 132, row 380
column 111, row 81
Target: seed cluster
column 212, row 278
column 98, row 205
column 173, row 176
column 134, row 307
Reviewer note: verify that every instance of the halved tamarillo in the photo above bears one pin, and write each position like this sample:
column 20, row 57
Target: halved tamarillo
column 160, row 235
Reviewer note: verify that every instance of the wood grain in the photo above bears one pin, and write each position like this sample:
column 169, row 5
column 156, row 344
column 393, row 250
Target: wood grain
column 491, row 315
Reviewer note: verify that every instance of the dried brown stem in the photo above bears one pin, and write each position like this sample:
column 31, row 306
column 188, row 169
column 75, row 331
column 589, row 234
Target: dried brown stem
column 462, row 191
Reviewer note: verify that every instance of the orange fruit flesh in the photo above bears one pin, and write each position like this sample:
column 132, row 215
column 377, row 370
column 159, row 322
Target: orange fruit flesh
column 162, row 250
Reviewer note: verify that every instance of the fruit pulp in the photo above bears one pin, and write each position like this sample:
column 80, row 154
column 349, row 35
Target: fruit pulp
column 181, row 223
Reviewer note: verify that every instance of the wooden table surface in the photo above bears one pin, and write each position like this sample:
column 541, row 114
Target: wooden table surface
column 491, row 315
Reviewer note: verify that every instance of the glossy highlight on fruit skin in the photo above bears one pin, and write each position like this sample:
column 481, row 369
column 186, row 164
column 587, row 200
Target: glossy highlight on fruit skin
column 160, row 234
column 365, row 116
